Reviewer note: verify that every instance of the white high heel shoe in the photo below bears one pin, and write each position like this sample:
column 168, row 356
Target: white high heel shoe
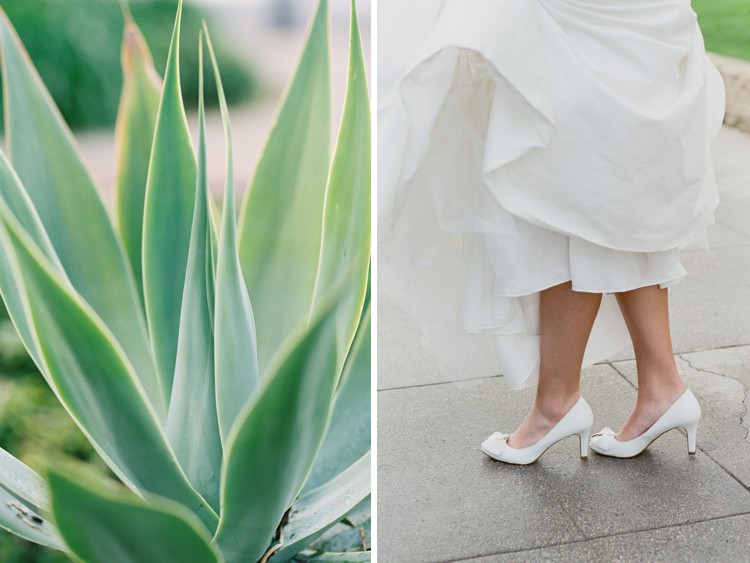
column 577, row 420
column 683, row 413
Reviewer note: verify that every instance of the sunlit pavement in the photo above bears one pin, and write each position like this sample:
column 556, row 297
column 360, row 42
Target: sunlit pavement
column 441, row 499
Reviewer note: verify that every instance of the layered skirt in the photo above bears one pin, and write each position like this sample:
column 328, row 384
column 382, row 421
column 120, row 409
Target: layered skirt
column 526, row 143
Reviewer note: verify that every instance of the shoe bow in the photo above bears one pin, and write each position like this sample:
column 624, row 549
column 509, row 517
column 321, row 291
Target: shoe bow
column 495, row 443
column 603, row 438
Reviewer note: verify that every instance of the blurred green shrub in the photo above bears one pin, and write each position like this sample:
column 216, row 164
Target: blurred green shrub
column 33, row 424
column 725, row 25
column 75, row 45
column 15, row 550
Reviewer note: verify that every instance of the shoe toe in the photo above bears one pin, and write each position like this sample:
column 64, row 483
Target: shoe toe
column 494, row 445
column 601, row 441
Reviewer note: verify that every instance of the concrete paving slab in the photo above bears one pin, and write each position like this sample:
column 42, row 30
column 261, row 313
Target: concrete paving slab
column 720, row 380
column 733, row 211
column 710, row 308
column 723, row 539
column 729, row 151
column 733, row 232
column 402, row 359
column 440, row 498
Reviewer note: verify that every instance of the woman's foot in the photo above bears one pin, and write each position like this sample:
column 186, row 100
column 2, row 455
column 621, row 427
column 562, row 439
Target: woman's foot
column 650, row 405
column 540, row 420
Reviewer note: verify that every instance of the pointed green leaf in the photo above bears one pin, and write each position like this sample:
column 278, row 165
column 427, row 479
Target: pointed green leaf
column 23, row 482
column 44, row 156
column 192, row 426
column 314, row 512
column 18, row 203
column 347, row 534
column 348, row 435
column 346, row 557
column 342, row 538
column 235, row 344
column 24, row 502
column 274, row 441
column 346, row 227
column 139, row 105
column 92, row 377
column 170, row 197
column 104, row 524
column 281, row 217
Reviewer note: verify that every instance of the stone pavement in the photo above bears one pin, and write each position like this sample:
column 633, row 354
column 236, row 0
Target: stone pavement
column 441, row 499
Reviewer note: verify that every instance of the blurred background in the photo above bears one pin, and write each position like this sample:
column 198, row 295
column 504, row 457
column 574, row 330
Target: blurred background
column 726, row 26
column 75, row 45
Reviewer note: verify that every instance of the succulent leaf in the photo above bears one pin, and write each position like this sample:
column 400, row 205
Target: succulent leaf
column 93, row 379
column 273, row 443
column 281, row 217
column 317, row 510
column 105, row 525
column 192, row 426
column 14, row 198
column 346, row 225
column 139, row 106
column 24, row 503
column 346, row 557
column 348, row 435
column 236, row 357
column 44, row 156
column 168, row 217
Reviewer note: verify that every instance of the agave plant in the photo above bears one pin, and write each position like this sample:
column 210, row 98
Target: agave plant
column 218, row 364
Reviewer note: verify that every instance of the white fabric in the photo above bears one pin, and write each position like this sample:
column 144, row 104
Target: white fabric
column 524, row 143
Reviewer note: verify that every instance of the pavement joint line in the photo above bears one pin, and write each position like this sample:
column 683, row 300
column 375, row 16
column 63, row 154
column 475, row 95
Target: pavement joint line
column 692, row 351
column 614, row 367
column 604, row 536
column 727, row 471
column 610, row 363
column 434, row 383
column 575, row 524
column 680, row 352
column 726, row 347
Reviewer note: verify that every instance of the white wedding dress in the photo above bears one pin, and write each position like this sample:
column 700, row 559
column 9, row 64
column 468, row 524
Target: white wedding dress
column 525, row 143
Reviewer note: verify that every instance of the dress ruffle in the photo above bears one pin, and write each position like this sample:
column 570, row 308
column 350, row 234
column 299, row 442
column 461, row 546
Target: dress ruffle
column 526, row 143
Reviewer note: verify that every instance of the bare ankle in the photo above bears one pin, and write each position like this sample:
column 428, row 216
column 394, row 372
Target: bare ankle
column 554, row 407
column 662, row 388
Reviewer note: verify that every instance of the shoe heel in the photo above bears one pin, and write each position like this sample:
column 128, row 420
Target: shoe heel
column 583, row 436
column 691, row 430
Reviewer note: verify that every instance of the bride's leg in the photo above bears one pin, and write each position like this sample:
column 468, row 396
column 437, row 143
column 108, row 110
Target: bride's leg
column 566, row 318
column 646, row 314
